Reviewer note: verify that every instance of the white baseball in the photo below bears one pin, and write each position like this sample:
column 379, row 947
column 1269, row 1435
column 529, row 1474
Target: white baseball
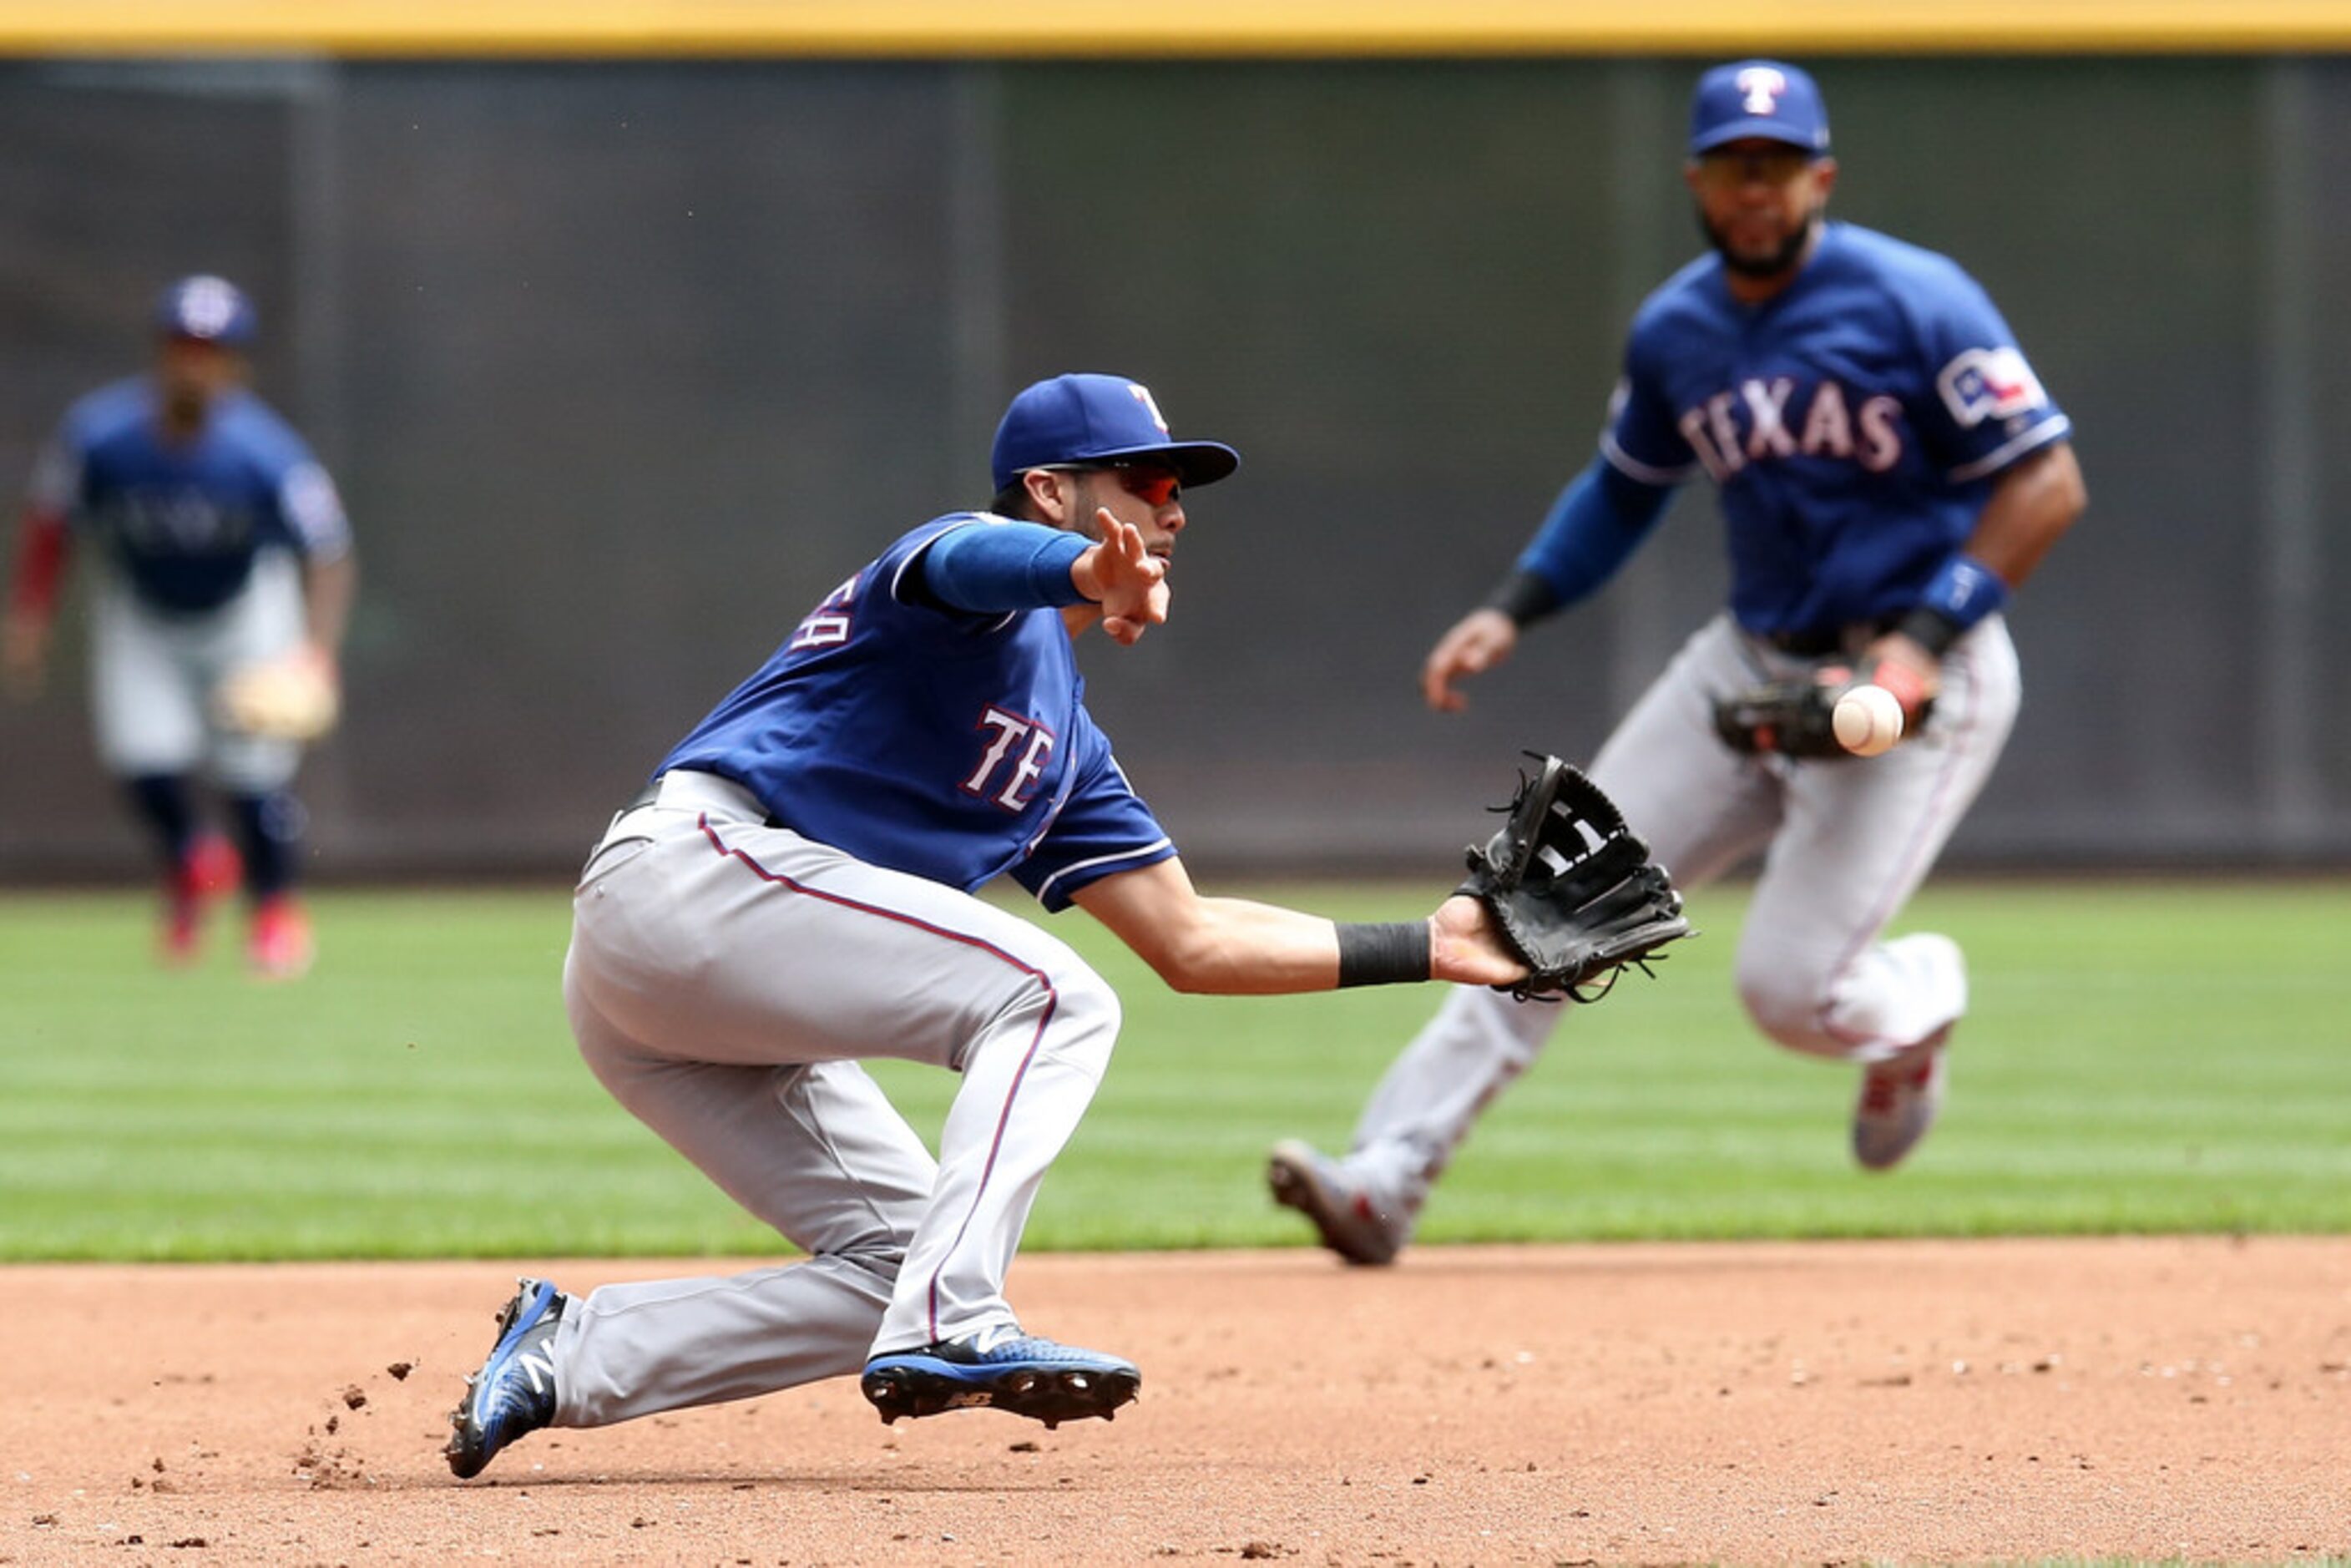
column 1867, row 720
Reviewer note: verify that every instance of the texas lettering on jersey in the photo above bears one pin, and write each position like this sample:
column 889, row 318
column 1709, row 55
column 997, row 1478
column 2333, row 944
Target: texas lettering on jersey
column 1029, row 744
column 158, row 520
column 1759, row 420
column 829, row 624
column 187, row 520
column 973, row 728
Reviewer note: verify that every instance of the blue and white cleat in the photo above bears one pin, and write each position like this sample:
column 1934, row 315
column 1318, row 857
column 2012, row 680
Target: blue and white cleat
column 513, row 1393
column 1001, row 1369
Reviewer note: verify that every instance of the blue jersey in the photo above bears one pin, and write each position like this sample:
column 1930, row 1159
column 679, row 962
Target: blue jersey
column 1853, row 423
column 929, row 740
column 184, row 523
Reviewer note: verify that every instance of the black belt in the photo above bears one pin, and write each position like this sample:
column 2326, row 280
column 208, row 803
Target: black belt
column 1812, row 645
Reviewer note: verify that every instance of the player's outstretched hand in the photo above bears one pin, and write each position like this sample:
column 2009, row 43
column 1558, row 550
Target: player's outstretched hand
column 1479, row 641
column 1465, row 947
column 1126, row 580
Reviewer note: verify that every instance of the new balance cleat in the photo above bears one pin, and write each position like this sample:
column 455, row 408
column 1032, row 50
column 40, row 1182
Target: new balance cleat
column 513, row 1393
column 1005, row 1370
column 1350, row 1222
column 1898, row 1102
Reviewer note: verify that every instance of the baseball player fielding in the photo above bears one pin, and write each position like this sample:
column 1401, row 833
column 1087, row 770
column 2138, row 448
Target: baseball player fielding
column 1880, row 506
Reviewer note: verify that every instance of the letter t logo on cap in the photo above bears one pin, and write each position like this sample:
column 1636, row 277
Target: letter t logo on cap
column 1143, row 395
column 1762, row 86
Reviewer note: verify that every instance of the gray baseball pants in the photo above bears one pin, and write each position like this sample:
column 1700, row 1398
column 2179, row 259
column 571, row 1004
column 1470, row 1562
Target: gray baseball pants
column 725, row 978
column 154, row 673
column 1846, row 842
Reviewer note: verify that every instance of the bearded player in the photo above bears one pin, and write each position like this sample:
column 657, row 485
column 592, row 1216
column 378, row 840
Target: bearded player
column 1889, row 471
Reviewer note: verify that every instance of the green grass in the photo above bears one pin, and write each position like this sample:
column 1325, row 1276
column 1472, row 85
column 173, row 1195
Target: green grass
column 2139, row 1057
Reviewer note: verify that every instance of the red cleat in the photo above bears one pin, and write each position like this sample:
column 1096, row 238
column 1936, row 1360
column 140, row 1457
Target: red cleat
column 281, row 947
column 209, row 870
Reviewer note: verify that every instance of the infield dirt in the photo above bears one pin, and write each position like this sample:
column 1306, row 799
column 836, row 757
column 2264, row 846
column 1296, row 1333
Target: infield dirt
column 2155, row 1399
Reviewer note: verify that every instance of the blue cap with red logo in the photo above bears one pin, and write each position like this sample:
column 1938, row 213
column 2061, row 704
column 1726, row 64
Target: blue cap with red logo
column 208, row 309
column 1078, row 420
column 1763, row 99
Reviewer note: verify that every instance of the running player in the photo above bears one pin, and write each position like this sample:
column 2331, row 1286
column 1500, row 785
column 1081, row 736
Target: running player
column 220, row 543
column 794, row 893
column 1890, row 469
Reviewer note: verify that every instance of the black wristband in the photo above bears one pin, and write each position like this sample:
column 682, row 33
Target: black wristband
column 1523, row 596
column 1382, row 954
column 1931, row 629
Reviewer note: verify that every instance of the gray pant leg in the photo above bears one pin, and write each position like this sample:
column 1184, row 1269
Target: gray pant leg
column 815, row 1151
column 146, row 701
column 152, row 679
column 1702, row 811
column 1849, row 842
column 722, row 978
column 1860, row 837
column 1429, row 1098
column 1026, row 1082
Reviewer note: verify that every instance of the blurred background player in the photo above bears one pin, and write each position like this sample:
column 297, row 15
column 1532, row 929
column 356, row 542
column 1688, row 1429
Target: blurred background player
column 219, row 543
column 1888, row 469
column 794, row 893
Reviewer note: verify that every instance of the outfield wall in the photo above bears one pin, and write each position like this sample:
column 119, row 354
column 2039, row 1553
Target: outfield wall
column 623, row 361
column 1317, row 29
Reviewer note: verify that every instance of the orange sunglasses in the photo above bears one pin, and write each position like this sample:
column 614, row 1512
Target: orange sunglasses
column 1143, row 478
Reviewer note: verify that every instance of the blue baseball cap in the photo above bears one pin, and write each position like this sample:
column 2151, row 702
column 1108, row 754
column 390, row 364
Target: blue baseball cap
column 1086, row 419
column 1764, row 99
column 208, row 309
